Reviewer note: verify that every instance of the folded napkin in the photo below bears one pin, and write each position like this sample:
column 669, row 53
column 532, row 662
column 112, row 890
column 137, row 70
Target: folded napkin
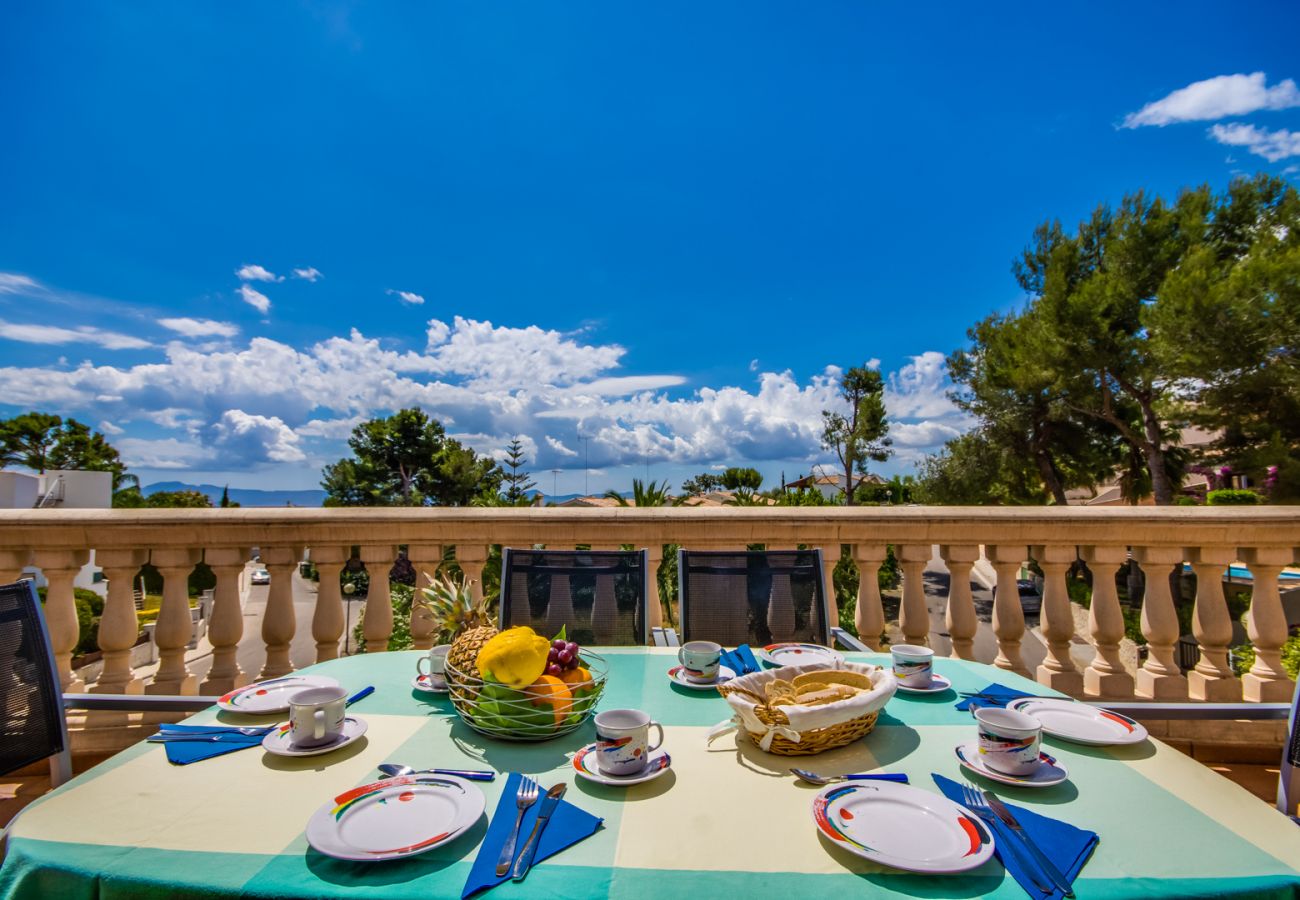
column 1066, row 846
column 741, row 660
column 182, row 753
column 999, row 695
column 567, row 826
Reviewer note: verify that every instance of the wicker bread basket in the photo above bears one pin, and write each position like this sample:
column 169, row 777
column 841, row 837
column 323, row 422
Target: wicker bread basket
column 803, row 731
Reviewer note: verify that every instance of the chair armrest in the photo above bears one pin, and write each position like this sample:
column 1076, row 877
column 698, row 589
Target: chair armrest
column 1163, row 711
column 848, row 641
column 666, row 637
column 138, row 702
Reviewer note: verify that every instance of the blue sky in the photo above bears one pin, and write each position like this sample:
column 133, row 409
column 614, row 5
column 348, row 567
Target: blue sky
column 652, row 227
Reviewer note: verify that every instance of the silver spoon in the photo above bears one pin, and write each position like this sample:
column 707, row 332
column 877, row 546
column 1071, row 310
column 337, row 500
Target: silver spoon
column 392, row 770
column 814, row 778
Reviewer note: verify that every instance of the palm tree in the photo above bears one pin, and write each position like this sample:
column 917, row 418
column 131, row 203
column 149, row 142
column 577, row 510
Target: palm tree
column 652, row 494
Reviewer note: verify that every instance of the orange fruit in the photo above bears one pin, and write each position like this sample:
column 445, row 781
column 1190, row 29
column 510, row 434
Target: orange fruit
column 551, row 691
column 576, row 678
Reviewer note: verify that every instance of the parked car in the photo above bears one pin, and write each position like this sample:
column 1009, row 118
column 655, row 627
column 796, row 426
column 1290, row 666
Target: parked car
column 261, row 576
column 1031, row 602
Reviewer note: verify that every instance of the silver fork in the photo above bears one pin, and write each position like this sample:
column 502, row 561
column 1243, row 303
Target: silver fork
column 974, row 801
column 526, row 797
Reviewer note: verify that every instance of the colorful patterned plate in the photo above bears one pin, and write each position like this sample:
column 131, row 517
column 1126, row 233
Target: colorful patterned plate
column 901, row 826
column 584, row 763
column 796, row 654
column 267, row 697
column 937, row 683
column 1081, row 723
column 678, row 675
column 1048, row 773
column 426, row 685
column 277, row 741
column 395, row 818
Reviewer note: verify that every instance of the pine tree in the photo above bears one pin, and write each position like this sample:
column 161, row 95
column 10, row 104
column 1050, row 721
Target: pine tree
column 226, row 502
column 517, row 481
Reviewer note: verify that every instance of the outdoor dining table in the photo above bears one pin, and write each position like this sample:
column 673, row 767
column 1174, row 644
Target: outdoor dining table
column 727, row 820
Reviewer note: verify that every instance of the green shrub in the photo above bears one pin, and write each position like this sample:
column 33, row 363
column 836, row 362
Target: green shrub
column 1185, row 500
column 1243, row 657
column 1232, row 497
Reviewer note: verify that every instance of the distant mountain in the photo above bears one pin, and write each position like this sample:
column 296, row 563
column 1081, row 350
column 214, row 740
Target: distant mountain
column 243, row 496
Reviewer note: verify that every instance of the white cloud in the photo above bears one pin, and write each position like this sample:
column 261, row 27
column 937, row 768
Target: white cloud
column 311, row 273
column 13, row 283
column 407, row 297
column 438, row 332
column 1216, row 98
column 1272, row 145
column 108, row 427
column 558, row 447
column 245, row 439
column 200, row 327
column 256, row 273
column 255, row 299
column 81, row 334
column 165, row 453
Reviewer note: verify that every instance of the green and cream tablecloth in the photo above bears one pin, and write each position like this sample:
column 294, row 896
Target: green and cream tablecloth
column 726, row 822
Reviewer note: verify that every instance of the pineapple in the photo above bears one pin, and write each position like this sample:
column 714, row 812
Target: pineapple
column 458, row 619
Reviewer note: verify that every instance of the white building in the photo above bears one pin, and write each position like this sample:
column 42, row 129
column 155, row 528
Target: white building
column 65, row 489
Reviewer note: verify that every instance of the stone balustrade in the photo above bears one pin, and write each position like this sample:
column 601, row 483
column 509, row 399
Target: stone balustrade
column 1265, row 539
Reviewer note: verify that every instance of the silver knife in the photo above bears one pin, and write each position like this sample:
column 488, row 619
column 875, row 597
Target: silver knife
column 549, row 802
column 1000, row 810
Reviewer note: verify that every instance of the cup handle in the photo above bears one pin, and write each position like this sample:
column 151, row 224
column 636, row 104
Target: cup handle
column 419, row 667
column 681, row 656
column 318, row 725
column 660, row 729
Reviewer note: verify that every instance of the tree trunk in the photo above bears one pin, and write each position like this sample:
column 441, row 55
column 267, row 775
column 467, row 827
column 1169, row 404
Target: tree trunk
column 848, row 482
column 1161, row 487
column 1051, row 480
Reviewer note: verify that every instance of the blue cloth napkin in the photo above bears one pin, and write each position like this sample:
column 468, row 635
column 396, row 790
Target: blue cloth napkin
column 567, row 826
column 741, row 660
column 182, row 753
column 1066, row 846
column 1003, row 694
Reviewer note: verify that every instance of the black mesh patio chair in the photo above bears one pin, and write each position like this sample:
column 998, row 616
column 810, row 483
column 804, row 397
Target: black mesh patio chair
column 756, row 597
column 31, row 703
column 598, row 596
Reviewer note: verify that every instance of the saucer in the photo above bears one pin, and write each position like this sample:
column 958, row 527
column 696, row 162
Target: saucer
column 426, row 685
column 1049, row 772
column 584, row 763
column 277, row 741
column 937, row 683
column 678, row 675
column 793, row 653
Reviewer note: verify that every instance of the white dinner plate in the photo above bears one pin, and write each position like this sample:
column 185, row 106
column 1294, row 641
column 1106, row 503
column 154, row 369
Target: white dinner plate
column 427, row 685
column 277, row 741
column 902, row 826
column 395, row 818
column 796, row 654
column 266, row 697
column 1081, row 723
column 584, row 763
column 678, row 675
column 1049, row 772
column 937, row 683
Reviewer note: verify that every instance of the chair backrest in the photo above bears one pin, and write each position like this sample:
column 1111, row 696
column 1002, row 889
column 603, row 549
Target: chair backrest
column 1288, row 785
column 598, row 596
column 752, row 597
column 32, row 726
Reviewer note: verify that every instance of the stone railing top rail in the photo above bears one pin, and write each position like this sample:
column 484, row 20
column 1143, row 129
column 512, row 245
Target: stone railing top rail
column 1269, row 526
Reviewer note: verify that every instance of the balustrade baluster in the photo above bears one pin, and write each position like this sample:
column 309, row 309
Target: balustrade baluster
column 425, row 558
column 174, row 628
column 226, row 625
column 654, row 603
column 1267, row 681
column 1160, row 677
column 830, row 559
column 1213, row 678
column 378, row 627
column 959, row 617
column 60, row 567
column 869, row 614
column 914, row 614
column 472, row 558
column 1008, row 615
column 13, row 562
column 119, row 629
column 329, row 619
column 279, row 621
column 1056, row 621
column 1105, row 676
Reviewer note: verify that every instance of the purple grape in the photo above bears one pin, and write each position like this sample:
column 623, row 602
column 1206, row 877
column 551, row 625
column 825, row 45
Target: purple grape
column 553, row 669
column 559, row 643
column 564, row 657
column 572, row 648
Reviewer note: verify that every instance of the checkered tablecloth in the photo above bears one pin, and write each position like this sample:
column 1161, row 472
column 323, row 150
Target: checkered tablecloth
column 727, row 821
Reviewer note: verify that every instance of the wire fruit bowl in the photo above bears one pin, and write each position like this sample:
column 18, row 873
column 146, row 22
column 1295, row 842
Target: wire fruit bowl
column 529, row 714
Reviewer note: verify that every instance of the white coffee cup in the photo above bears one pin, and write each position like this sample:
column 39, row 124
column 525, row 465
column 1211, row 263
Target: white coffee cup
column 316, row 716
column 700, row 659
column 1008, row 740
column 623, row 741
column 913, row 664
column 437, row 660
